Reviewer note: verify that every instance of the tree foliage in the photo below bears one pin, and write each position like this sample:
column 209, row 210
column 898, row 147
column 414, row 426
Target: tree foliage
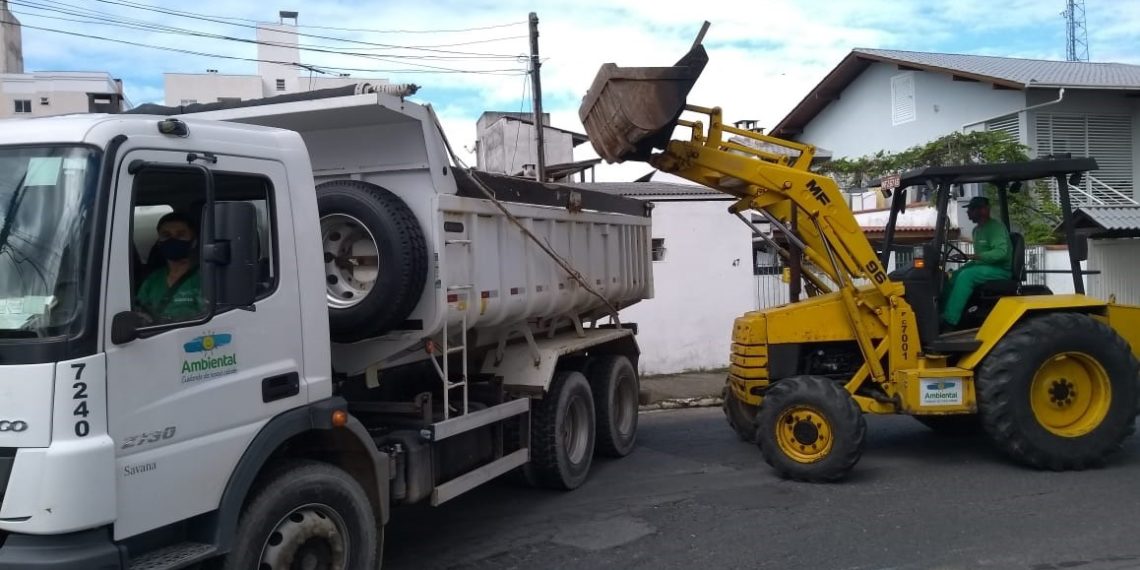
column 1033, row 210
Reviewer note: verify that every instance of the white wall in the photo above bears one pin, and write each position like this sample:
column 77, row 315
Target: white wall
column 65, row 92
column 1062, row 283
column 1116, row 259
column 704, row 283
column 506, row 145
column 208, row 87
column 859, row 122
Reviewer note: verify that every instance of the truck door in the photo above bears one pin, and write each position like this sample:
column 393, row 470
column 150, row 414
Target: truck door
column 185, row 402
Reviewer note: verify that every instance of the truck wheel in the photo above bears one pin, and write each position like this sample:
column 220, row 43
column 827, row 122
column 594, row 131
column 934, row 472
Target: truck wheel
column 615, row 386
column 307, row 514
column 957, row 425
column 375, row 257
column 810, row 429
column 741, row 416
column 1059, row 392
column 562, row 433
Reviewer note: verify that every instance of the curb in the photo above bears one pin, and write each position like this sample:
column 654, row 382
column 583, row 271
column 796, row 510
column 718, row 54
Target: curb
column 682, row 403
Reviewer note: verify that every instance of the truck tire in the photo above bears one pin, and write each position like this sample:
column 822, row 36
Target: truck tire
column 375, row 256
column 810, row 429
column 741, row 417
column 1059, row 392
column 307, row 514
column 616, row 391
column 562, row 433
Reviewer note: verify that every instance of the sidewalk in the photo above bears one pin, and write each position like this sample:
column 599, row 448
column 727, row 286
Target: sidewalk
column 688, row 390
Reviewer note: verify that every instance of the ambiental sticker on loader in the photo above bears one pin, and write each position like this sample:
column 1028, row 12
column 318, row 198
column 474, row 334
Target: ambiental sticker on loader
column 940, row 392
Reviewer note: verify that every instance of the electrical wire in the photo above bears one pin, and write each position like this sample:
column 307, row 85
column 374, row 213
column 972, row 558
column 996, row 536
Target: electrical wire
column 310, row 26
column 319, row 69
column 522, row 104
column 216, row 20
column 109, row 20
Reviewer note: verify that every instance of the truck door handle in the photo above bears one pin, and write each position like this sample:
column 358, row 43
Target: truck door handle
column 280, row 387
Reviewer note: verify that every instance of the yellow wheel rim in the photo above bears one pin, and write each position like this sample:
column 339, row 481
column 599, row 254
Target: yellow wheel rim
column 804, row 434
column 1070, row 394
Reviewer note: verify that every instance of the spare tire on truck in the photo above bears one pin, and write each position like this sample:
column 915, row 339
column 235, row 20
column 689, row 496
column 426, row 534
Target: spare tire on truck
column 375, row 256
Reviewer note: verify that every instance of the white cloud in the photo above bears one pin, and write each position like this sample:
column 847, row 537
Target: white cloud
column 765, row 55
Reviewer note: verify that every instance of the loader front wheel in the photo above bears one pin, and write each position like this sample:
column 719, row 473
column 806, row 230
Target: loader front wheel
column 810, row 429
column 1059, row 392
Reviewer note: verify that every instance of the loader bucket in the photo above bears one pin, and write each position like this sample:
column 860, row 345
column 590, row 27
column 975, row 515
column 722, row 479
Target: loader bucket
column 629, row 111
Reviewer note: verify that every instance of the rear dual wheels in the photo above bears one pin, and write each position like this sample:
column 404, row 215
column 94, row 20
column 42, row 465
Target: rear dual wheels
column 583, row 414
column 810, row 429
column 1059, row 392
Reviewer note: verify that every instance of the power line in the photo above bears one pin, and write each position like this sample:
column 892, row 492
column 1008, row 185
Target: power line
column 216, row 20
column 108, row 19
column 518, row 127
column 318, row 49
column 335, row 28
column 319, row 69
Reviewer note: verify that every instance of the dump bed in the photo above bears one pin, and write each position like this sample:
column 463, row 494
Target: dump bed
column 484, row 273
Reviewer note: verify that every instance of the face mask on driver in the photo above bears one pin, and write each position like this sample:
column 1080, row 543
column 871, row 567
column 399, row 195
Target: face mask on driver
column 174, row 249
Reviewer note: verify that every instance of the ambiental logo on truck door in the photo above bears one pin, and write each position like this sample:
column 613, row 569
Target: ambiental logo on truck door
column 209, row 356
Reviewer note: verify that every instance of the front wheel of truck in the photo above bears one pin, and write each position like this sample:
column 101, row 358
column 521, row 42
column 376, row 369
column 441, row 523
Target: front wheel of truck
column 307, row 514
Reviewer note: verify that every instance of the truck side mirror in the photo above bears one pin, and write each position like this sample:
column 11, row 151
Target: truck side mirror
column 234, row 254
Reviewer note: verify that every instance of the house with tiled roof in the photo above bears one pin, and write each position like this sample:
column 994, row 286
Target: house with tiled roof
column 890, row 100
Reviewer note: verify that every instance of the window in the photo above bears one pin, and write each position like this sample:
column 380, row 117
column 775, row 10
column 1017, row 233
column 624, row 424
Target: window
column 280, row 84
column 658, row 250
column 168, row 213
column 44, row 101
column 185, row 102
column 23, row 105
column 229, row 99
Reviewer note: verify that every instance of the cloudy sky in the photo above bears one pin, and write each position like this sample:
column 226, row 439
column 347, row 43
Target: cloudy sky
column 468, row 56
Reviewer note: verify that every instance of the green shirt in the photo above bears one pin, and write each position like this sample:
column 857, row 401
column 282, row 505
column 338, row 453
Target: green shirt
column 991, row 244
column 185, row 301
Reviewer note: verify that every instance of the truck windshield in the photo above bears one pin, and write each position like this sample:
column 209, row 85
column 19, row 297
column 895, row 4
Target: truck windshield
column 46, row 196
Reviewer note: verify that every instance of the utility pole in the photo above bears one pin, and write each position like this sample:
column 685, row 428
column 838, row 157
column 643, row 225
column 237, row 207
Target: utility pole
column 536, row 84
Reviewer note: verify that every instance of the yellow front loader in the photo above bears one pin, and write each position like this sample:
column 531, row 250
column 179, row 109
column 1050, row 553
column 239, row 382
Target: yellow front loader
column 1051, row 379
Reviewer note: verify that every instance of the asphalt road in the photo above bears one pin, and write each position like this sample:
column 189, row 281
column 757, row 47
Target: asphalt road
column 694, row 496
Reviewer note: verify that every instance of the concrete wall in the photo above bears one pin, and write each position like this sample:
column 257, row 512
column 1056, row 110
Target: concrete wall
column 65, row 92
column 11, row 46
column 703, row 284
column 1116, row 259
column 506, row 145
column 859, row 122
column 209, row 87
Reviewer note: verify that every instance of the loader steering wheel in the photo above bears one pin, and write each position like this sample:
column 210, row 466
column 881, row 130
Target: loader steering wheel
column 954, row 255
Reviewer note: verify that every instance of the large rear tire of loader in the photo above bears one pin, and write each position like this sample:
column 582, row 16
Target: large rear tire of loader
column 375, row 256
column 810, row 429
column 307, row 514
column 562, row 433
column 1059, row 392
column 740, row 416
column 614, row 384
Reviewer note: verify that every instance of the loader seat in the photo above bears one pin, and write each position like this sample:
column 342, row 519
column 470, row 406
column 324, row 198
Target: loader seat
column 1007, row 287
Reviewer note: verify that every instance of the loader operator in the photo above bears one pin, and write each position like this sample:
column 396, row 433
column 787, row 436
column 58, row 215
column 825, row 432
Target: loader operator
column 990, row 261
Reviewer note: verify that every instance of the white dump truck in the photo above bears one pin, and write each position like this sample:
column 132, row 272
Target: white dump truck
column 361, row 324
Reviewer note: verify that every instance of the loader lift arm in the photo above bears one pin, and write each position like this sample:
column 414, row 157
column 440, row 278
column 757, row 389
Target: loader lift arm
column 774, row 183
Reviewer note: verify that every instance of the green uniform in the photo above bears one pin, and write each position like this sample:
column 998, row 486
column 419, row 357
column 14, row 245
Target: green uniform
column 163, row 303
column 994, row 251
